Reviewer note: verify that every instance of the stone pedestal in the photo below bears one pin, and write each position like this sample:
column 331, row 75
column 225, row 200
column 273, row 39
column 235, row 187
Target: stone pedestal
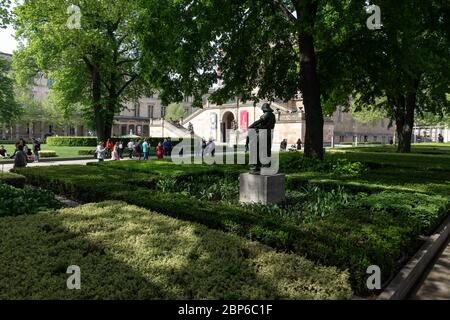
column 262, row 189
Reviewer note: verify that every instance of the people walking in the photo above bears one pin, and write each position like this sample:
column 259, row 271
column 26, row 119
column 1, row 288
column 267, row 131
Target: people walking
column 121, row 149
column 138, row 150
column 101, row 152
column 145, row 149
column 130, row 147
column 160, row 151
column 115, row 153
column 109, row 147
column 36, row 149
column 299, row 144
column 166, row 147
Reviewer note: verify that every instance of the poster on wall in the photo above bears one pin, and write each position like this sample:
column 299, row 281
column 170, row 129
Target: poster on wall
column 244, row 121
column 213, row 117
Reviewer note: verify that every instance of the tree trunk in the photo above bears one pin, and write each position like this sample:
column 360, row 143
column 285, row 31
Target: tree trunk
column 310, row 88
column 404, row 129
column 405, row 118
column 97, row 105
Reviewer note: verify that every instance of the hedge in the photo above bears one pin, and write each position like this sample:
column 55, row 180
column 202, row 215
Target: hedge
column 353, row 238
column 92, row 141
column 72, row 141
column 29, row 200
column 48, row 154
column 15, row 180
column 125, row 252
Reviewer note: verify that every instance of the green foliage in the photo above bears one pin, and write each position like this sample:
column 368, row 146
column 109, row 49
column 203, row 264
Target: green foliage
column 401, row 68
column 204, row 187
column 130, row 253
column 94, row 67
column 324, row 226
column 48, row 154
column 14, row 202
column 72, row 141
column 175, row 111
column 295, row 162
column 9, row 108
column 4, row 13
column 15, row 180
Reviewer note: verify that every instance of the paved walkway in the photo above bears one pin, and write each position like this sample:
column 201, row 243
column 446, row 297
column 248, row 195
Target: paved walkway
column 7, row 167
column 436, row 283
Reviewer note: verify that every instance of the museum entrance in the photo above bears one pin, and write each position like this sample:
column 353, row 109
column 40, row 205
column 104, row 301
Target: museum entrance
column 226, row 126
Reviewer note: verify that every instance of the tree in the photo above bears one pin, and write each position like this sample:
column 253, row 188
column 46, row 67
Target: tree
column 260, row 49
column 9, row 109
column 402, row 68
column 175, row 112
column 4, row 12
column 88, row 49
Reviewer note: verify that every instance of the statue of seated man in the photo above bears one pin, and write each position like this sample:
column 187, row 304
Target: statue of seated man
column 266, row 123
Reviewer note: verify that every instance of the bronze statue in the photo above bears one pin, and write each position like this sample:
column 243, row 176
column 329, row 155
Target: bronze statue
column 266, row 122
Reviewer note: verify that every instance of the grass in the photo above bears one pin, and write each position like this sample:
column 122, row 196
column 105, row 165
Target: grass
column 125, row 252
column 62, row 152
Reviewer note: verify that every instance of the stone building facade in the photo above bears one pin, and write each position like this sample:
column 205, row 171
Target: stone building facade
column 229, row 123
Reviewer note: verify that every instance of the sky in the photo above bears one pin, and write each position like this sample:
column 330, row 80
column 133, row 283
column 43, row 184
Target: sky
column 7, row 42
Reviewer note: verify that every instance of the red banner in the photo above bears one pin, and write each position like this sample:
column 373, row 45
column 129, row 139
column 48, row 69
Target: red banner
column 244, row 121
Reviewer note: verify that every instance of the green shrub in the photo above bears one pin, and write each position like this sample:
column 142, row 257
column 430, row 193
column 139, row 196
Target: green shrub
column 47, row 154
column 295, row 162
column 348, row 236
column 13, row 179
column 72, row 141
column 125, row 252
column 15, row 201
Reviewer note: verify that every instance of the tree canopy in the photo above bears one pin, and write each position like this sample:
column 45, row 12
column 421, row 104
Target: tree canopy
column 9, row 109
column 88, row 49
column 402, row 68
column 259, row 49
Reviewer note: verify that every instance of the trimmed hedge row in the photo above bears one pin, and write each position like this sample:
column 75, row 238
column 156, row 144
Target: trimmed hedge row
column 14, row 202
column 126, row 252
column 48, row 154
column 15, row 180
column 92, row 141
column 354, row 238
column 72, row 141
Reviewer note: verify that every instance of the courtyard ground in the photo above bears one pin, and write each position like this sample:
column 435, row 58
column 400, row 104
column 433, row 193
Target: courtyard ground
column 358, row 208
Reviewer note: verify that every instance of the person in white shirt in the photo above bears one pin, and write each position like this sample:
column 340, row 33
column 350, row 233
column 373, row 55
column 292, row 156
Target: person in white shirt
column 130, row 149
column 101, row 152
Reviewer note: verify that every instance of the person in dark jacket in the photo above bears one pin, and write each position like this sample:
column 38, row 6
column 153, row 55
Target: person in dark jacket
column 20, row 158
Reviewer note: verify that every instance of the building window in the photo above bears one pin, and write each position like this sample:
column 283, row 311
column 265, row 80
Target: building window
column 151, row 110
column 375, row 139
column 137, row 110
column 163, row 112
column 187, row 99
column 124, row 131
